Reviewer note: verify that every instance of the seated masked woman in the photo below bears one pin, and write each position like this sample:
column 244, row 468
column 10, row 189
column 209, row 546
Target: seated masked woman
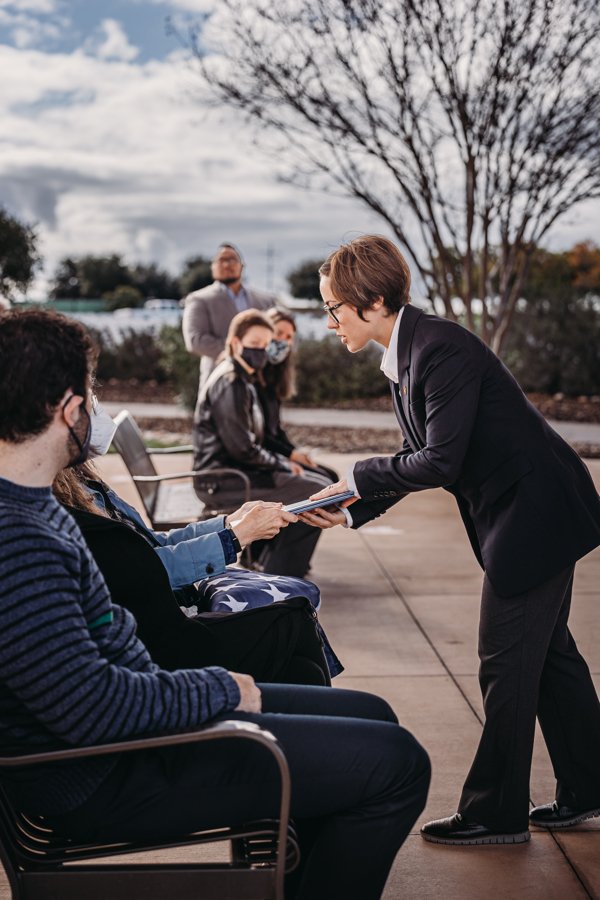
column 229, row 431
column 280, row 642
column 278, row 383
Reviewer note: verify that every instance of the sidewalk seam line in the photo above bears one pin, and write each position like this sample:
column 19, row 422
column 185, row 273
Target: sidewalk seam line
column 418, row 624
column 413, row 616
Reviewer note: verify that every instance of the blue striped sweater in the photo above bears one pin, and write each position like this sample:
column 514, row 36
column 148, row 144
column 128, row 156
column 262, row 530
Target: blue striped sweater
column 72, row 670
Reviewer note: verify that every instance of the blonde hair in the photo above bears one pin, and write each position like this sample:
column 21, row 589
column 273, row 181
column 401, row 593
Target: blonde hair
column 241, row 325
column 70, row 489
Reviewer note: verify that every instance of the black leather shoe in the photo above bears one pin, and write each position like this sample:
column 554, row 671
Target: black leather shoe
column 458, row 830
column 553, row 815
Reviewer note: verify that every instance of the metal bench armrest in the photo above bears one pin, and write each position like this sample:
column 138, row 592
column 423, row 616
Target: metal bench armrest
column 183, row 448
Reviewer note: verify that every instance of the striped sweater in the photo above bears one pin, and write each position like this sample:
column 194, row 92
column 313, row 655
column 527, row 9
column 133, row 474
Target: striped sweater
column 72, row 671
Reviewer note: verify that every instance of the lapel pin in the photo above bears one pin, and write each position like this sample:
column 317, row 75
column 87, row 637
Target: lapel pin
column 405, row 390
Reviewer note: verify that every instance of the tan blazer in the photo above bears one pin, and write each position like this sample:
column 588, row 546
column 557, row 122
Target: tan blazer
column 206, row 319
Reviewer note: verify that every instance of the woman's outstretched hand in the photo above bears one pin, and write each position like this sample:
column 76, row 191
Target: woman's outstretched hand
column 339, row 487
column 323, row 518
column 328, row 516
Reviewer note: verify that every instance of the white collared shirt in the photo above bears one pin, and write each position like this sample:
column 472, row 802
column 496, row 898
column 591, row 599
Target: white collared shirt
column 389, row 361
column 389, row 367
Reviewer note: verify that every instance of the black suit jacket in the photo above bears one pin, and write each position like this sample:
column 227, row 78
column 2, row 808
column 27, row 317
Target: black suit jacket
column 527, row 500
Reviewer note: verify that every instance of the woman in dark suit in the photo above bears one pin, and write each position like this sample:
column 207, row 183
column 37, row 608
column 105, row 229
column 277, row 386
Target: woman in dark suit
column 530, row 509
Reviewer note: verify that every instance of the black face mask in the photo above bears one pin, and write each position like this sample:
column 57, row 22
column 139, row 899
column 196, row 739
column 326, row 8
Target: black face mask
column 83, row 446
column 256, row 359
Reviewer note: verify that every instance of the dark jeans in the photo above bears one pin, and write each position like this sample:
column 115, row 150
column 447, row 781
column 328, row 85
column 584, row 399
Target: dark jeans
column 530, row 665
column 359, row 781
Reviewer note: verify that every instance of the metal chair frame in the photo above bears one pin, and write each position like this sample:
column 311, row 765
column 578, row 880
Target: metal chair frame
column 41, row 865
column 156, row 491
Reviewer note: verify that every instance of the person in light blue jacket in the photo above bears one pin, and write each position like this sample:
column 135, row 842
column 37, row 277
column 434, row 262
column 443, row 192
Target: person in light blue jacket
column 198, row 557
column 188, row 554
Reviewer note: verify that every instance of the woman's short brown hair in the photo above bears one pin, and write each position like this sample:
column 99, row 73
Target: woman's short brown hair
column 241, row 325
column 367, row 268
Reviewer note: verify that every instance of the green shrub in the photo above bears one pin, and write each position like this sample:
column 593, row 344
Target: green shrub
column 327, row 372
column 125, row 296
column 180, row 366
column 136, row 356
column 555, row 347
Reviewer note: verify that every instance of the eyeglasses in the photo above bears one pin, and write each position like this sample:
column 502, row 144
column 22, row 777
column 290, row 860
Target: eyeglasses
column 226, row 260
column 330, row 311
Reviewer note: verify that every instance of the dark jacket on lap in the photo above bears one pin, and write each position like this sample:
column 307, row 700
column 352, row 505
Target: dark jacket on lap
column 260, row 642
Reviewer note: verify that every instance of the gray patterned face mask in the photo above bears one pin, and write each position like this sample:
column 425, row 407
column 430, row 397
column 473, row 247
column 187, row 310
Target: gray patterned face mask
column 278, row 351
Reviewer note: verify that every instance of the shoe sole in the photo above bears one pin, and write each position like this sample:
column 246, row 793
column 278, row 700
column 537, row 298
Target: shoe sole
column 520, row 837
column 567, row 823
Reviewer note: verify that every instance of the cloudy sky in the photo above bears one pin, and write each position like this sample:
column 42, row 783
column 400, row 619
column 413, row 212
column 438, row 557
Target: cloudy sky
column 105, row 144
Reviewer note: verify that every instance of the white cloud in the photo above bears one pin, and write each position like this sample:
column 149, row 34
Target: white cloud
column 111, row 155
column 111, row 42
column 28, row 30
column 32, row 6
column 194, row 6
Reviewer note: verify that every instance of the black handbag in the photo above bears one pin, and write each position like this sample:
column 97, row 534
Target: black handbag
column 269, row 642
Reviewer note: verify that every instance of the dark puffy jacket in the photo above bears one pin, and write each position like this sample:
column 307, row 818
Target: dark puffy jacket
column 229, row 424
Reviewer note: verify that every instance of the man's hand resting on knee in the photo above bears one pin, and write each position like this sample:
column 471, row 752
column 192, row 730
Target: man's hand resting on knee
column 250, row 697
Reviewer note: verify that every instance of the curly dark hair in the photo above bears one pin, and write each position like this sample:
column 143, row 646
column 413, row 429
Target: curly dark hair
column 42, row 355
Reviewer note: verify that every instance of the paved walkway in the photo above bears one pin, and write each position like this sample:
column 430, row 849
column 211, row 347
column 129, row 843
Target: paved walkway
column 582, row 432
column 400, row 604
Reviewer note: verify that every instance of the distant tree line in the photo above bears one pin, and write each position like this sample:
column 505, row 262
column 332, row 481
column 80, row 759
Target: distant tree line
column 18, row 255
column 121, row 285
column 553, row 344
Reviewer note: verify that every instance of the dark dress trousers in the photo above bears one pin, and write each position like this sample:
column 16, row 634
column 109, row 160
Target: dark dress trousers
column 531, row 511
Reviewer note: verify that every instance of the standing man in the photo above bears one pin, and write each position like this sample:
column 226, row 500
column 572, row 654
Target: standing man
column 73, row 670
column 531, row 511
column 209, row 311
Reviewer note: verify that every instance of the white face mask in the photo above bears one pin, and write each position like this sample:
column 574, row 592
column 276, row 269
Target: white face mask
column 103, row 431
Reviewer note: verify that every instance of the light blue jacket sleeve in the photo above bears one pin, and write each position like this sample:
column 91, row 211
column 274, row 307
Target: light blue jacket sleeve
column 188, row 554
column 192, row 553
column 192, row 560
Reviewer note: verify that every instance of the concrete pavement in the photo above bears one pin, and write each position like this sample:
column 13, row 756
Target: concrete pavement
column 400, row 604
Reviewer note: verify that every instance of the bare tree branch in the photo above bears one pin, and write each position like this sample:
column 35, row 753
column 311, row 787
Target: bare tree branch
column 468, row 126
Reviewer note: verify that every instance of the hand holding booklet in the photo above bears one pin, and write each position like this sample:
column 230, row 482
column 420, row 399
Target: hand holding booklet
column 305, row 505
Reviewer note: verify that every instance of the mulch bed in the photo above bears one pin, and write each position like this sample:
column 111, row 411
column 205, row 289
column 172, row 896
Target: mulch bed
column 330, row 439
